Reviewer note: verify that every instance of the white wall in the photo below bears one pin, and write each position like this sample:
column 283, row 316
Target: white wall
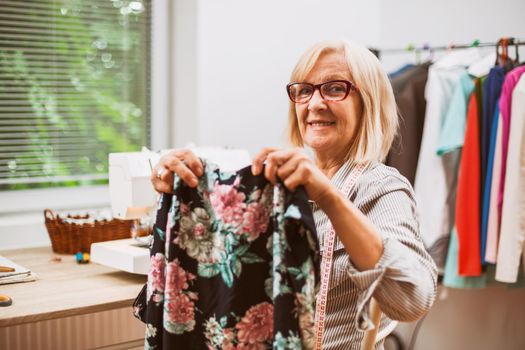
column 244, row 56
column 234, row 57
column 447, row 21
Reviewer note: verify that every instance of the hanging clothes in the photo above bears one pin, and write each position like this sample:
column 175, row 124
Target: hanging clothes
column 432, row 188
column 496, row 197
column 491, row 92
column 493, row 226
column 451, row 139
column 234, row 264
column 401, row 70
column 452, row 131
column 468, row 193
column 505, row 106
column 451, row 276
column 409, row 87
column 512, row 235
column 490, row 223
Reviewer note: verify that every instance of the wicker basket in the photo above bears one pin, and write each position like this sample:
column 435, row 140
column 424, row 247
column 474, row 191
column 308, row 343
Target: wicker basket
column 70, row 237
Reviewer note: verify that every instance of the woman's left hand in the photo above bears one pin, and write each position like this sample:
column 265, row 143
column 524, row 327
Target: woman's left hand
column 294, row 168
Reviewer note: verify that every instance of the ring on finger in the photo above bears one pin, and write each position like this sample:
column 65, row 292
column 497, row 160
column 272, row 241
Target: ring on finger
column 160, row 172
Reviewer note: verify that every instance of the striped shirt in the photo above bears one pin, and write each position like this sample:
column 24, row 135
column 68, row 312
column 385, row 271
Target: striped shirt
column 403, row 281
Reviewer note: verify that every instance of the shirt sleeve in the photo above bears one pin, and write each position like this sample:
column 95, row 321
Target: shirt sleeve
column 404, row 279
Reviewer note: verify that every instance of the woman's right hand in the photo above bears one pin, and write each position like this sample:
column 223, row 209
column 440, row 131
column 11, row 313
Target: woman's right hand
column 182, row 162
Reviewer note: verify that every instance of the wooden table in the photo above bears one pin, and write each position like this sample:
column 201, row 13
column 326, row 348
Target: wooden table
column 64, row 288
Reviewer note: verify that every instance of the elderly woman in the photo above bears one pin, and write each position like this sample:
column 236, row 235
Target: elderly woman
column 342, row 107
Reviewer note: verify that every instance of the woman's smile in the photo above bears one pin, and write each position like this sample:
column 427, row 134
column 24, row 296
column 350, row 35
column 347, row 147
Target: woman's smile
column 320, row 124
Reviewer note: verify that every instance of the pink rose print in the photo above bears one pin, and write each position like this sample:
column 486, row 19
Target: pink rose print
column 184, row 209
column 192, row 295
column 229, row 334
column 199, row 230
column 255, row 220
column 257, row 325
column 176, row 278
column 228, row 204
column 227, row 345
column 229, row 337
column 180, row 309
column 156, row 273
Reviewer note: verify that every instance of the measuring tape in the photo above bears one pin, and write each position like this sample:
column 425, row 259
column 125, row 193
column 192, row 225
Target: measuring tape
column 326, row 264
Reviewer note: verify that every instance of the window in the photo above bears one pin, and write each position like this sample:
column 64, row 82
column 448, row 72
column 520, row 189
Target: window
column 74, row 86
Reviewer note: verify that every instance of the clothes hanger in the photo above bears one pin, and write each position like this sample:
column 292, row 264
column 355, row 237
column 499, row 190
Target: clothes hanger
column 417, row 53
column 427, row 47
column 516, row 50
column 516, row 44
column 499, row 57
column 503, row 59
column 483, row 66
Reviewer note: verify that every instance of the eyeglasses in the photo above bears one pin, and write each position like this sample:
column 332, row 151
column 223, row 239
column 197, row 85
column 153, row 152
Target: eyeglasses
column 334, row 90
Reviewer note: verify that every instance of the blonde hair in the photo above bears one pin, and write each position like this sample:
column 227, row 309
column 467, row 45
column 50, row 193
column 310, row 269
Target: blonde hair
column 378, row 125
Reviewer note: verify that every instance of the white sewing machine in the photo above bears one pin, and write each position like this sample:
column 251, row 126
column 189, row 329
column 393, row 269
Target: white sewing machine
column 132, row 197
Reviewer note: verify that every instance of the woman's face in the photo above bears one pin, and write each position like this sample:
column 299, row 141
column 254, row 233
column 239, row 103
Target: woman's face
column 328, row 127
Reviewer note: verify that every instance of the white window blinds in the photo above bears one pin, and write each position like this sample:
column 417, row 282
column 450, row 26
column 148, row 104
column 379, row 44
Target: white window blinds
column 74, row 86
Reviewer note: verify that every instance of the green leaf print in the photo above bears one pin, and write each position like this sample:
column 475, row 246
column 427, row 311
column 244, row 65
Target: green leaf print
column 292, row 342
column 226, row 175
column 223, row 321
column 226, row 274
column 303, row 272
column 251, row 258
column 215, row 225
column 238, row 267
column 231, row 240
column 179, row 328
column 161, row 233
column 241, row 250
column 208, row 270
column 294, row 271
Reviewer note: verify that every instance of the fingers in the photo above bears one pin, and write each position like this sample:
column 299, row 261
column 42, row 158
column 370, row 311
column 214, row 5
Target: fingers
column 297, row 177
column 188, row 158
column 282, row 163
column 162, row 179
column 292, row 165
column 184, row 163
column 258, row 160
column 164, row 183
column 274, row 160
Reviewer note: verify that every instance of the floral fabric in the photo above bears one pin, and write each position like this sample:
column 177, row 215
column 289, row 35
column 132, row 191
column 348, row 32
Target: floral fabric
column 234, row 266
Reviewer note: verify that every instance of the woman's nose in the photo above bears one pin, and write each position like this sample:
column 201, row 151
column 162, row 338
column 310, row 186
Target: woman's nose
column 317, row 102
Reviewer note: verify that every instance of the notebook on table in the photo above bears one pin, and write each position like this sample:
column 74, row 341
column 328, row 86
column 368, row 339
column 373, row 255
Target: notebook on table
column 20, row 274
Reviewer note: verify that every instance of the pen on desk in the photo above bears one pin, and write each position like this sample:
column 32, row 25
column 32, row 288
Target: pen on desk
column 6, row 269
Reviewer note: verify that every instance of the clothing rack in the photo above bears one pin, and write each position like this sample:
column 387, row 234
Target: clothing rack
column 426, row 47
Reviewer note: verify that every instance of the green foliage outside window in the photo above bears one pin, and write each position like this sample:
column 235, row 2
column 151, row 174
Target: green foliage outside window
column 74, row 86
